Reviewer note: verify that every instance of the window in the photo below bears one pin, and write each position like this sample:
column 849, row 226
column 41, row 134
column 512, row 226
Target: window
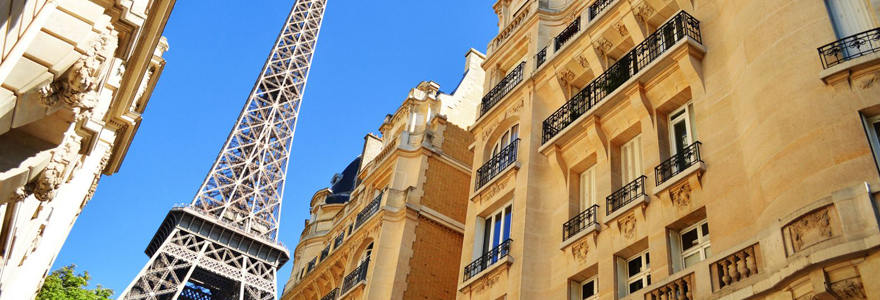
column 506, row 139
column 681, row 133
column 636, row 273
column 872, row 127
column 367, row 253
column 631, row 160
column 496, row 230
column 588, row 188
column 849, row 16
column 585, row 290
column 695, row 244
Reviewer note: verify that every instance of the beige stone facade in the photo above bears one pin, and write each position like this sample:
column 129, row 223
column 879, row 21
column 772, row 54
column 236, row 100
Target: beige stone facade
column 397, row 234
column 616, row 135
column 75, row 77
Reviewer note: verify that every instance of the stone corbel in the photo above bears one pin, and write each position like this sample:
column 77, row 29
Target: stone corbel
column 639, row 101
column 60, row 167
column 597, row 137
column 558, row 163
column 642, row 11
column 565, row 77
column 637, row 29
column 690, row 63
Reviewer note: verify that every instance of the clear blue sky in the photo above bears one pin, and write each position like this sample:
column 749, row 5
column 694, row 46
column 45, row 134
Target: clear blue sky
column 369, row 54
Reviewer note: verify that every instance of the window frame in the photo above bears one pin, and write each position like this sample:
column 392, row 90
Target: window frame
column 644, row 276
column 578, row 292
column 483, row 243
column 509, row 135
column 703, row 242
column 873, row 138
column 634, row 145
column 586, row 201
column 684, row 113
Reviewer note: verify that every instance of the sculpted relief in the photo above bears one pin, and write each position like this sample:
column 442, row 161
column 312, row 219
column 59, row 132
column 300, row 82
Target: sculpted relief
column 810, row 229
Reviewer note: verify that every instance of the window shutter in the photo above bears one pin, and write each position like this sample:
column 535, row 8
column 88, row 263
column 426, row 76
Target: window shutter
column 621, row 277
column 637, row 157
column 675, row 250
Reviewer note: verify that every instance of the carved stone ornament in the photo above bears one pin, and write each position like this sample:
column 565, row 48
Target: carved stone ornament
column 565, row 77
column 849, row 289
column 602, row 45
column 515, row 109
column 681, row 196
column 78, row 87
column 870, row 80
column 52, row 177
column 621, row 28
column 495, row 188
column 642, row 11
column 811, row 229
column 489, row 130
column 627, row 226
column 579, row 250
column 104, row 160
column 582, row 61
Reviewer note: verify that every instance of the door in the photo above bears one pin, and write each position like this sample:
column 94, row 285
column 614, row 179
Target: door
column 849, row 16
column 631, row 160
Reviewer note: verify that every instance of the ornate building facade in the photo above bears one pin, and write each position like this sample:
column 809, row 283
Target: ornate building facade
column 390, row 220
column 615, row 135
column 75, row 77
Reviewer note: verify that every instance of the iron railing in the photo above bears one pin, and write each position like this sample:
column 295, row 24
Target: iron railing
column 496, row 164
column 338, row 240
column 567, row 33
column 331, row 295
column 849, row 48
column 359, row 274
column 597, row 7
column 502, row 89
column 325, row 252
column 540, row 58
column 371, row 209
column 311, row 265
column 679, row 162
column 580, row 222
column 678, row 28
column 489, row 258
column 625, row 195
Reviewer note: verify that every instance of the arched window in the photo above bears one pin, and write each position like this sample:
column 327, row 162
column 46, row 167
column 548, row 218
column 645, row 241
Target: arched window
column 506, row 139
column 366, row 255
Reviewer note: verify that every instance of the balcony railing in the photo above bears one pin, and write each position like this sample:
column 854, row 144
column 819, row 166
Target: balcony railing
column 371, row 209
column 850, row 48
column 338, row 240
column 540, row 58
column 625, row 195
column 735, row 267
column 580, row 222
column 311, row 265
column 496, row 164
column 325, row 252
column 355, row 277
column 679, row 162
column 598, row 6
column 331, row 295
column 502, row 89
column 678, row 28
column 489, row 258
column 680, row 289
column 567, row 33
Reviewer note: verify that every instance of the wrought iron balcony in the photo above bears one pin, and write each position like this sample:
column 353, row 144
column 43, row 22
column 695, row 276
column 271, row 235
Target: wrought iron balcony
column 371, row 209
column 850, row 48
column 325, row 252
column 502, row 89
column 496, row 164
column 311, row 265
column 540, row 58
column 625, row 195
column 567, row 33
column 355, row 277
column 580, row 222
column 489, row 258
column 331, row 295
column 338, row 240
column 598, row 6
column 679, row 162
column 678, row 28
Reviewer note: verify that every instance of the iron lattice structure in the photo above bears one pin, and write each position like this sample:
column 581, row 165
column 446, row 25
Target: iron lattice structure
column 224, row 244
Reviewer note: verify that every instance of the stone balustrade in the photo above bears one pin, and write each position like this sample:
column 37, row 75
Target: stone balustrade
column 735, row 267
column 679, row 289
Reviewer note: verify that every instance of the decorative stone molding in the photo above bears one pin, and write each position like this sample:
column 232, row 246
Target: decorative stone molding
column 870, row 80
column 78, row 87
column 810, row 229
column 582, row 61
column 514, row 110
column 642, row 11
column 98, row 171
column 681, row 195
column 53, row 176
column 602, row 46
column 621, row 28
column 627, row 225
column 142, row 89
column 849, row 289
column 565, row 77
column 579, row 250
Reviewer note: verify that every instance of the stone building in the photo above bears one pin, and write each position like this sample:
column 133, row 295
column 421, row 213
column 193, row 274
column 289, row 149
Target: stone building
column 75, row 77
column 615, row 135
column 395, row 215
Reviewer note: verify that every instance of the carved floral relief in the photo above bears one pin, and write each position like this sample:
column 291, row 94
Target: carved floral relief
column 810, row 229
column 627, row 225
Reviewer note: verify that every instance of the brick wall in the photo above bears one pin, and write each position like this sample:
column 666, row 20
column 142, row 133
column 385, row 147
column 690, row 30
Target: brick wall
column 446, row 190
column 456, row 142
column 434, row 266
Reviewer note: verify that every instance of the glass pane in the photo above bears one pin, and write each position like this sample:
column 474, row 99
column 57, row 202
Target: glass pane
column 679, row 133
column 506, row 224
column 487, row 235
column 634, row 267
column 708, row 251
column 588, row 289
column 497, row 240
column 689, row 239
column 648, row 261
column 705, row 228
column 635, row 286
column 692, row 259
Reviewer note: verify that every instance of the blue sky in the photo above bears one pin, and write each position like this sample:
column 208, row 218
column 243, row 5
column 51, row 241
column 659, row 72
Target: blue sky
column 369, row 54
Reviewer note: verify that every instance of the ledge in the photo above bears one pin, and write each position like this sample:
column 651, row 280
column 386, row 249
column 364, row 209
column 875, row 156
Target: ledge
column 492, row 182
column 845, row 70
column 590, row 229
column 643, row 199
column 503, row 262
column 696, row 168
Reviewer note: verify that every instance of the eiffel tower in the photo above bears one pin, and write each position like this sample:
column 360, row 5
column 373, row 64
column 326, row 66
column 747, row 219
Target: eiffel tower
column 224, row 245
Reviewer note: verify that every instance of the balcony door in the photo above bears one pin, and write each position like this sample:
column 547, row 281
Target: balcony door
column 588, row 188
column 496, row 230
column 849, row 16
column 631, row 160
column 681, row 133
column 508, row 137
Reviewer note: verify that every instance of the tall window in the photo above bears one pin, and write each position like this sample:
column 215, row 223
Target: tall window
column 695, row 244
column 849, row 16
column 585, row 290
column 635, row 273
column 588, row 188
column 631, row 160
column 872, row 127
column 496, row 230
column 681, row 133
column 366, row 256
column 508, row 137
